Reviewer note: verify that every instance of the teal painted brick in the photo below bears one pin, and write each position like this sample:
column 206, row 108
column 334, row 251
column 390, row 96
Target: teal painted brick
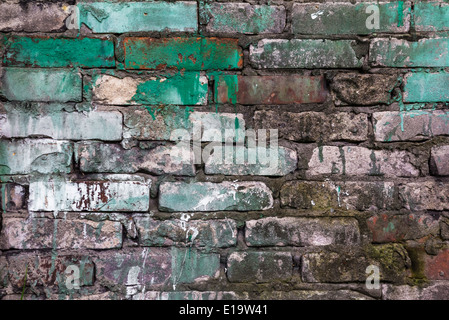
column 206, row 196
column 41, row 85
column 56, row 52
column 403, row 53
column 347, row 18
column 107, row 17
column 42, row 156
column 189, row 88
column 51, row 120
column 426, row 87
column 431, row 16
column 299, row 53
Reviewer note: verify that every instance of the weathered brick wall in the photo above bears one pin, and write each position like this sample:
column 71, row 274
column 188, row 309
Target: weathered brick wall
column 92, row 182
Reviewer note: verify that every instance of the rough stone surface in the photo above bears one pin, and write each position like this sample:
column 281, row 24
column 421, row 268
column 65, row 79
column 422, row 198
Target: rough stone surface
column 327, row 266
column 42, row 233
column 200, row 233
column 314, row 126
column 33, row 16
column 363, row 89
column 410, row 125
column 395, row 228
column 427, row 195
column 302, row 232
column 243, row 18
column 158, row 160
column 310, row 195
column 360, row 161
column 347, row 18
column 299, row 53
column 12, row 197
column 259, row 266
column 440, row 160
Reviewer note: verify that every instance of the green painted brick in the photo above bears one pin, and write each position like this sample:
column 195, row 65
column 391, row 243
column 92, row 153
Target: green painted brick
column 108, row 17
column 206, row 196
column 182, row 53
column 431, row 16
column 41, row 85
column 57, row 52
column 23, row 120
column 243, row 18
column 41, row 156
column 426, row 87
column 347, row 18
column 402, row 53
column 300, row 53
column 189, row 88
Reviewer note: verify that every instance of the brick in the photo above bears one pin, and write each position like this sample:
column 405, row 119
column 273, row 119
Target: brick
column 41, row 85
column 59, row 195
column 42, row 156
column 12, row 197
column 304, row 53
column 101, row 125
column 338, row 267
column 348, row 18
column 48, row 270
column 100, row 157
column 277, row 162
column 339, row 294
column 207, row 196
column 431, row 16
column 259, row 266
column 243, row 18
column 360, row 196
column 157, row 266
column 426, row 87
column 42, row 233
column 363, row 89
column 428, row 195
column 48, row 52
column 395, row 228
column 302, row 232
column 360, row 161
column 314, row 126
column 159, row 124
column 182, row 53
column 106, row 17
column 199, row 233
column 187, row 89
column 410, row 125
column 437, row 290
column 269, row 89
column 439, row 160
column 4, row 273
column 437, row 267
column 33, row 16
column 400, row 53
column 188, row 295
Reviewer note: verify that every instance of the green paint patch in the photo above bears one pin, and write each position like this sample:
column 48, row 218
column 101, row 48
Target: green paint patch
column 54, row 53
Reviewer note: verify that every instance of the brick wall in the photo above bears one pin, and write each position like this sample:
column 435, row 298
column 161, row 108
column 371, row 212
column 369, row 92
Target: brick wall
column 117, row 119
